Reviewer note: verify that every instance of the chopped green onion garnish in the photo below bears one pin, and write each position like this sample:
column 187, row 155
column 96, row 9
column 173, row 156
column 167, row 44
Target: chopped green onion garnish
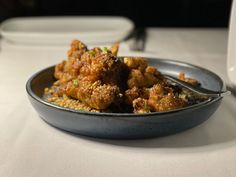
column 92, row 53
column 75, row 82
column 105, row 50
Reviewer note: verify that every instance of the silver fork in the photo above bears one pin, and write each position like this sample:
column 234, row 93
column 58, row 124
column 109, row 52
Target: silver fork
column 199, row 90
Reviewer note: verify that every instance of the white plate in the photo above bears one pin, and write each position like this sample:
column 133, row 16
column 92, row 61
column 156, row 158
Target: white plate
column 61, row 30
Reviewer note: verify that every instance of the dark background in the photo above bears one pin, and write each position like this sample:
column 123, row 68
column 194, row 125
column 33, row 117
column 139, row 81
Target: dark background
column 161, row 13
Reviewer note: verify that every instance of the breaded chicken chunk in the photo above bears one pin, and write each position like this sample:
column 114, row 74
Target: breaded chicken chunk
column 93, row 78
column 162, row 98
column 140, row 106
column 142, row 75
column 94, row 94
column 68, row 70
column 97, row 80
column 100, row 66
column 134, row 93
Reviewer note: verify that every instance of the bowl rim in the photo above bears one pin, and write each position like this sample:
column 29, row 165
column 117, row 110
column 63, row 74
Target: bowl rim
column 130, row 115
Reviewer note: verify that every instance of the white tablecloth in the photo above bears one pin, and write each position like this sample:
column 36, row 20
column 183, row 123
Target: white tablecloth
column 31, row 148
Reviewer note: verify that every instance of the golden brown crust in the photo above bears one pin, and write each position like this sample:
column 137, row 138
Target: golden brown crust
column 133, row 93
column 96, row 94
column 142, row 75
column 77, row 48
column 162, row 98
column 104, row 67
column 141, row 106
column 68, row 70
column 97, row 80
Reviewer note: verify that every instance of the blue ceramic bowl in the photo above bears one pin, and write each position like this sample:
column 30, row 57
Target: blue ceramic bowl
column 127, row 125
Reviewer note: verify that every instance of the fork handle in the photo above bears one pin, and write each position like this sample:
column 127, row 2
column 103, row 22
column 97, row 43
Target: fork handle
column 199, row 90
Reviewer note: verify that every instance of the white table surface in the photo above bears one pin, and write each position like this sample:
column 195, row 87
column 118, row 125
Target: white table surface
column 31, row 148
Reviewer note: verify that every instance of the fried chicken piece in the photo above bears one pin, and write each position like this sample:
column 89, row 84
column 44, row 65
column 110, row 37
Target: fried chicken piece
column 94, row 94
column 96, row 79
column 136, row 79
column 133, row 93
column 101, row 66
column 136, row 63
column 68, row 70
column 140, row 105
column 188, row 80
column 142, row 75
column 58, row 73
column 61, row 74
column 169, row 102
column 77, row 48
column 152, row 76
column 162, row 98
column 95, row 64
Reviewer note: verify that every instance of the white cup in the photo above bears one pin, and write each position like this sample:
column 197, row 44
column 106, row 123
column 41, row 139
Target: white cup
column 231, row 59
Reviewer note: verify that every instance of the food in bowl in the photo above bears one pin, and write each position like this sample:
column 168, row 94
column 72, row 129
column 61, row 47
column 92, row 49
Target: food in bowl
column 97, row 80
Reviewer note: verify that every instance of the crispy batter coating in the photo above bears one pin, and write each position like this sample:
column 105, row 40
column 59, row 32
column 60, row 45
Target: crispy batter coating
column 95, row 94
column 142, row 75
column 97, row 80
column 141, row 106
column 162, row 98
column 136, row 63
column 77, row 48
column 133, row 93
column 104, row 67
column 68, row 70
column 97, row 74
